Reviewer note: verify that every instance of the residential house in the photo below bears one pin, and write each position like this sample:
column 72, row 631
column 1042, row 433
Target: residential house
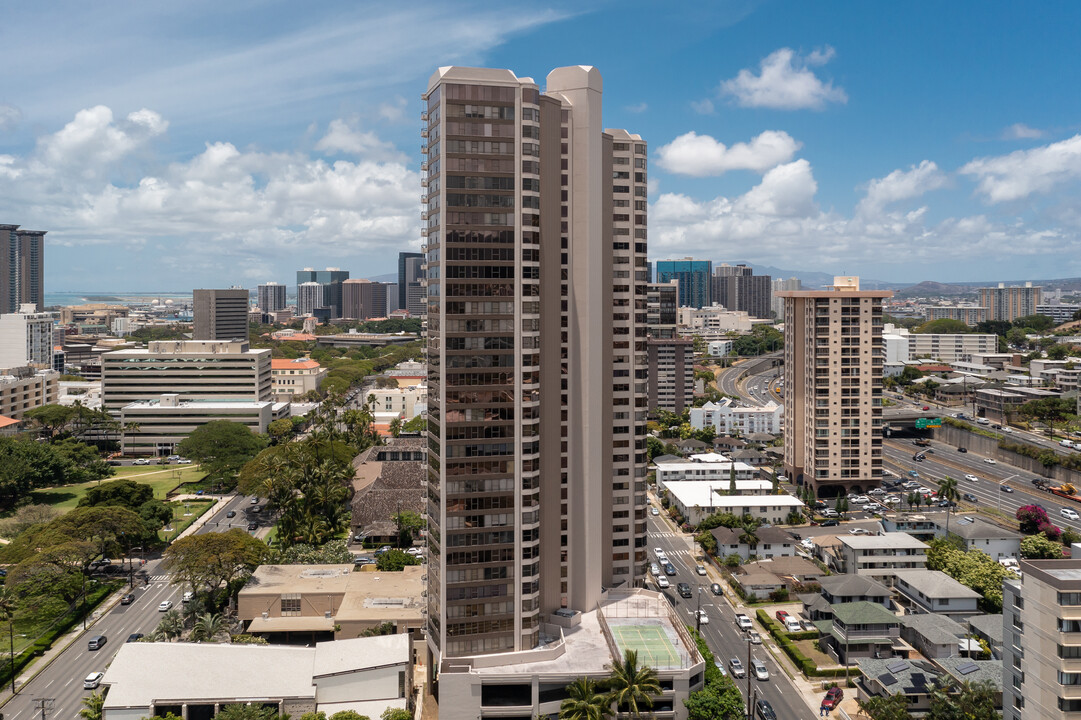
column 977, row 534
column 989, row 629
column 933, row 591
column 844, row 589
column 923, row 527
column 770, row 542
column 765, row 576
column 934, row 636
column 915, row 679
column 861, row 630
column 388, row 479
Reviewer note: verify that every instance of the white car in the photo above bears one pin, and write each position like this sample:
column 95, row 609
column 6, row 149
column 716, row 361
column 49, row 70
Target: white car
column 654, row 569
column 183, row 461
column 859, row 531
column 654, row 511
column 142, row 461
column 807, row 544
column 415, row 551
column 754, row 637
column 188, row 597
column 662, row 582
column 165, row 606
column 759, row 669
column 1069, row 514
column 700, row 569
column 702, row 617
column 990, row 461
column 93, row 680
column 972, row 478
column 743, row 622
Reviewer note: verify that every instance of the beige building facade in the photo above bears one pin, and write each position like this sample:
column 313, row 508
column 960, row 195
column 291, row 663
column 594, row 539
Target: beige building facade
column 1010, row 303
column 25, row 388
column 833, row 387
column 531, row 301
column 295, row 377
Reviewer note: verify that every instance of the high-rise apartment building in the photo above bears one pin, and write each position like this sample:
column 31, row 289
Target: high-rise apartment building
column 833, row 387
column 26, row 338
column 363, row 299
column 670, row 357
column 410, row 275
column 221, row 314
column 310, row 297
column 968, row 315
column 695, row 280
column 662, row 309
column 736, row 287
column 777, row 302
column 331, row 279
column 22, row 268
column 1041, row 641
column 536, row 251
column 271, row 297
column 1010, row 303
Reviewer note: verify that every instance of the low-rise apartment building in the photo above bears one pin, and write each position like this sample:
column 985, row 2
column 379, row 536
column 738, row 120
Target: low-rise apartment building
column 766, row 542
column 704, row 467
column 933, row 591
column 695, row 501
column 26, row 388
column 729, row 418
column 977, row 534
column 880, row 555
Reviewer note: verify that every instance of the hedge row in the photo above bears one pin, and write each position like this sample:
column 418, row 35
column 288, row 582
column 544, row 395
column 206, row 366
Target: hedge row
column 1046, row 457
column 787, row 642
column 46, row 640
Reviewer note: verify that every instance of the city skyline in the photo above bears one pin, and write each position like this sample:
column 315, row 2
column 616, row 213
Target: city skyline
column 781, row 135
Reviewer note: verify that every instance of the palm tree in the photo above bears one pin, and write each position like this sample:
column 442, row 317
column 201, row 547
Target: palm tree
column 584, row 702
column 947, row 490
column 208, row 627
column 633, row 688
column 171, row 625
column 93, row 706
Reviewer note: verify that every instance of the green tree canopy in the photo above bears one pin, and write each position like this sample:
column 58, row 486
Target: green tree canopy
column 395, row 560
column 1038, row 323
column 121, row 493
column 1050, row 411
column 335, row 552
column 222, row 447
column 943, row 326
column 214, row 560
column 993, row 327
column 240, row 711
column 585, row 701
column 1040, row 547
column 974, row 569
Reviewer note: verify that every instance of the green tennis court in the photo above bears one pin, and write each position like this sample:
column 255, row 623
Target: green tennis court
column 653, row 646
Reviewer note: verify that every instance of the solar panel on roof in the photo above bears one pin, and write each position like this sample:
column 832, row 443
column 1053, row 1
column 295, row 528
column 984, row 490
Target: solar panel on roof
column 887, row 679
column 897, row 666
column 967, row 668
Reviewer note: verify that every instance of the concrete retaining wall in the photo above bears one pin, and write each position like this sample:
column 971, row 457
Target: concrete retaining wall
column 959, row 437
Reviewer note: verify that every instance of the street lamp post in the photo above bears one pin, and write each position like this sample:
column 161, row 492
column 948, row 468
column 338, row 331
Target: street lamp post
column 750, row 708
column 698, row 612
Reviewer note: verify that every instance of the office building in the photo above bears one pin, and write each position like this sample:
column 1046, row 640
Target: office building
column 536, row 230
column 363, row 299
column 1062, row 313
column 221, row 314
column 410, row 274
column 736, row 287
column 392, row 299
column 833, row 387
column 271, row 297
column 311, row 296
column 715, row 321
column 292, row 377
column 1010, row 303
column 196, row 370
column 26, row 388
column 1041, row 641
column 331, row 279
column 157, row 426
column 662, row 309
column 777, row 302
column 695, row 280
column 22, row 268
column 969, row 315
column 26, row 338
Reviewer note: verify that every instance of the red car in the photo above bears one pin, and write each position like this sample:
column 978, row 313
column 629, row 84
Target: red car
column 833, row 698
column 926, row 407
column 781, row 615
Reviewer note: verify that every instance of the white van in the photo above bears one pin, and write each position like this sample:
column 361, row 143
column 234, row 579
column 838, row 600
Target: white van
column 1066, row 443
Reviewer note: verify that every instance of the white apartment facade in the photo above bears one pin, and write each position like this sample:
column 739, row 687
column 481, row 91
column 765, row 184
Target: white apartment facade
column 881, row 554
column 401, row 402
column 26, row 338
column 729, row 418
column 293, row 377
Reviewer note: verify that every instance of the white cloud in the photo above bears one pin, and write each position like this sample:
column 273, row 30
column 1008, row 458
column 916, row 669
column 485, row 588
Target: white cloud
column 1025, row 172
column 394, row 111
column 9, row 117
column 223, row 208
column 639, row 108
column 1021, row 131
column 785, row 83
column 901, row 185
column 702, row 107
column 342, row 138
column 702, row 155
column 785, row 191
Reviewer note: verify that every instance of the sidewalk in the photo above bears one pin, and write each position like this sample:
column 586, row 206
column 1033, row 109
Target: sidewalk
column 36, row 667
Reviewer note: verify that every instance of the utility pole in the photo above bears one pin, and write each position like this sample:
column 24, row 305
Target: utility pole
column 750, row 707
column 698, row 613
column 44, row 705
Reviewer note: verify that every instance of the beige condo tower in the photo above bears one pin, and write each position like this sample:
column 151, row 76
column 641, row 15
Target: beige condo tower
column 535, row 219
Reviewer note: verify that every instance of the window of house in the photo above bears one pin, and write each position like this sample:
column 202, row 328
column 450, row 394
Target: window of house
column 291, row 604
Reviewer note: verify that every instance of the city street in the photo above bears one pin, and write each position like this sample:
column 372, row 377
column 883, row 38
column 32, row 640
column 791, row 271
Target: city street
column 62, row 680
column 721, row 634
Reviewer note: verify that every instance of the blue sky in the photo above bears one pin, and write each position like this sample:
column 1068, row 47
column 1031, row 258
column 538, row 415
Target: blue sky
column 170, row 146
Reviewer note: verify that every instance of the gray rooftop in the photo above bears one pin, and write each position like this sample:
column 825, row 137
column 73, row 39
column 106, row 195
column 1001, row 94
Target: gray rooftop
column 934, row 584
column 886, row 541
column 972, row 528
column 938, row 629
column 847, row 585
column 985, row 670
column 911, row 676
column 989, row 625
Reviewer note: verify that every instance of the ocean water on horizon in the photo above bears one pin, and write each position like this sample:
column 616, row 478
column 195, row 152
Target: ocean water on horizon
column 119, row 298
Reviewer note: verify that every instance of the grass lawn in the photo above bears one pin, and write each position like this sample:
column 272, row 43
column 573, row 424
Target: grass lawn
column 182, row 518
column 822, row 660
column 162, row 480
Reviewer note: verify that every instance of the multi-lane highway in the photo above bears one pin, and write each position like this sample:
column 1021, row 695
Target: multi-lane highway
column 987, row 488
column 721, row 634
column 62, row 681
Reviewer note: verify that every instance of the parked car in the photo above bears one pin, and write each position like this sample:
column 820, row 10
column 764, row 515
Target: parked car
column 743, row 622
column 684, row 590
column 792, row 625
column 188, row 597
column 715, row 588
column 829, row 513
column 93, row 680
column 736, row 668
column 781, row 615
column 859, row 531
column 127, row 599
column 253, row 526
column 833, row 698
column 759, row 669
column 415, row 551
column 254, row 500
